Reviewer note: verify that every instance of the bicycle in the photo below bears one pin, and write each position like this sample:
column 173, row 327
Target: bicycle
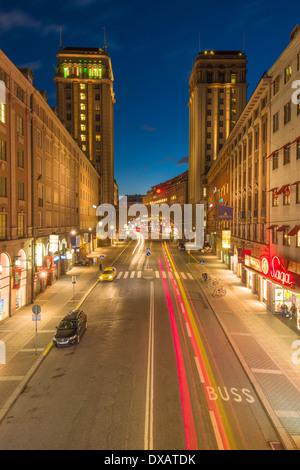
column 213, row 282
column 219, row 291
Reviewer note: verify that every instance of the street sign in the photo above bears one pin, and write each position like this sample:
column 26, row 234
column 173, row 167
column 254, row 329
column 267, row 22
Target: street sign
column 36, row 309
column 36, row 317
column 201, row 261
column 101, row 256
column 148, row 249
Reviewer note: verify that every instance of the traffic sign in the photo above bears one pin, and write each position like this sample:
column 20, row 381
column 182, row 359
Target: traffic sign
column 101, row 256
column 201, row 261
column 36, row 309
column 36, row 317
column 148, row 253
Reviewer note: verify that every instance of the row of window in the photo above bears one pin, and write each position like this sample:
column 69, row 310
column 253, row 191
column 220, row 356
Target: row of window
column 287, row 75
column 286, row 156
column 3, row 226
column 286, row 195
column 287, row 115
column 3, row 188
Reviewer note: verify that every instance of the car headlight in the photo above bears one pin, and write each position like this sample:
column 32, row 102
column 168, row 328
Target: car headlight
column 110, row 277
column 101, row 277
column 72, row 337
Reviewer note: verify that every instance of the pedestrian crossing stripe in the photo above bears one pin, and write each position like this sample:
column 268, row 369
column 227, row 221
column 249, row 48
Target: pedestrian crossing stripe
column 138, row 274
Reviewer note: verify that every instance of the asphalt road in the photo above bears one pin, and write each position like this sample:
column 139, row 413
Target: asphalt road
column 153, row 370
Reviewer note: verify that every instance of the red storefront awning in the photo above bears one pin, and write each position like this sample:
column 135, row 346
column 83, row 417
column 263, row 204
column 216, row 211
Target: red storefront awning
column 272, row 227
column 294, row 231
column 282, row 189
column 282, row 228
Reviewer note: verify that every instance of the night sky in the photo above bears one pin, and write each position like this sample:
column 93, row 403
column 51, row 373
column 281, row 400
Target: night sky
column 153, row 46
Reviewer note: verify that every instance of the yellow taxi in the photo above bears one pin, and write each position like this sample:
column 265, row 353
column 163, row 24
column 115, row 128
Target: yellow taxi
column 108, row 274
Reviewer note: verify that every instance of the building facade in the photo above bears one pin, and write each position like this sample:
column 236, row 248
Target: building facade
column 263, row 154
column 39, row 190
column 85, row 103
column 218, row 94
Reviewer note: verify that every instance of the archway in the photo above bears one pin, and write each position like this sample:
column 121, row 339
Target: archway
column 21, row 290
column 4, row 286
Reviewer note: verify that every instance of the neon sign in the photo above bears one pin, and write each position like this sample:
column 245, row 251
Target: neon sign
column 274, row 269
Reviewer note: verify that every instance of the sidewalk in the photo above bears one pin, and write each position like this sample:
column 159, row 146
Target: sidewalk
column 264, row 345
column 22, row 354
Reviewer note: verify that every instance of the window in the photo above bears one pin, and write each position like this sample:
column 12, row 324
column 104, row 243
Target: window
column 275, row 197
column 274, row 236
column 39, row 138
column 82, row 106
column 3, row 186
column 21, row 218
column 98, row 138
column 82, row 117
column 83, row 137
column 276, row 85
column 286, row 238
column 20, row 129
column 275, row 122
column 286, row 155
column 287, row 196
column 3, row 225
column 2, row 113
column 298, row 240
column 2, row 150
column 82, row 96
column 209, row 77
column 208, row 123
column 69, row 117
column 97, row 97
column 21, row 191
column 298, row 193
column 97, row 117
column 275, row 160
column 20, row 158
column 19, row 93
column 287, row 113
column 83, row 127
column 233, row 78
column 287, row 73
column 82, row 86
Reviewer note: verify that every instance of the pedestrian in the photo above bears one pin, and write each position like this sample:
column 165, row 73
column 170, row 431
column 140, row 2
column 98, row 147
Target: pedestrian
column 284, row 311
column 293, row 311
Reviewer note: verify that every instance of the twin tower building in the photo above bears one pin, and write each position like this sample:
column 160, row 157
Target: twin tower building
column 85, row 103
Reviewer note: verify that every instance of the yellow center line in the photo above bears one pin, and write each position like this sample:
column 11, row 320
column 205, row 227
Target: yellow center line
column 203, row 353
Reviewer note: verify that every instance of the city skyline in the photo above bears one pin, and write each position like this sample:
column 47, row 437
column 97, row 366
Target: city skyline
column 152, row 64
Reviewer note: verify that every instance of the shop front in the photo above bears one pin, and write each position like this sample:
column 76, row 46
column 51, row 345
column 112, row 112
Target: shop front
column 4, row 286
column 274, row 284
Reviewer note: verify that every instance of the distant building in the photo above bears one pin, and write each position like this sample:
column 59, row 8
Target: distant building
column 218, row 94
column 170, row 192
column 85, row 103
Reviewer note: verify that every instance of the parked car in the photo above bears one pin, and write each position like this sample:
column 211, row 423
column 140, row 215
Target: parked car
column 108, row 274
column 70, row 329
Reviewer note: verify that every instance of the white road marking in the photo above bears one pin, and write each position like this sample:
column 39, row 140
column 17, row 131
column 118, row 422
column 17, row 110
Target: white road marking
column 119, row 275
column 126, row 275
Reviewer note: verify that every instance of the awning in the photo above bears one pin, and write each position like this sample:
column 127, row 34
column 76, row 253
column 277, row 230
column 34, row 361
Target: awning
column 294, row 231
column 282, row 228
column 286, row 145
column 271, row 190
column 296, row 182
column 272, row 227
column 282, row 189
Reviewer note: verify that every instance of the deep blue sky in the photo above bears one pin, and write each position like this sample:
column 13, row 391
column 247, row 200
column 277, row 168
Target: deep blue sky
column 152, row 46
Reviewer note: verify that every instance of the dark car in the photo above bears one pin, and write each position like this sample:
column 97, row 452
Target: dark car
column 70, row 329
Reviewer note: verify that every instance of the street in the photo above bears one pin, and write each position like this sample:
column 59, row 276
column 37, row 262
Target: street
column 154, row 370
